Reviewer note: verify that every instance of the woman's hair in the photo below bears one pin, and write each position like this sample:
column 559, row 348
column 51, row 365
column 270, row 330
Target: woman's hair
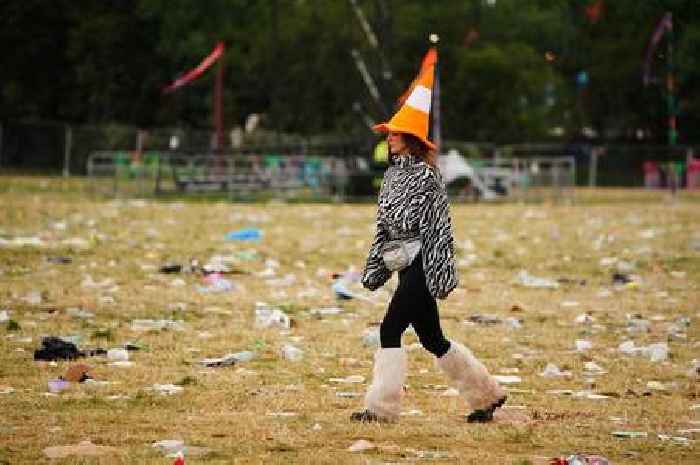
column 417, row 147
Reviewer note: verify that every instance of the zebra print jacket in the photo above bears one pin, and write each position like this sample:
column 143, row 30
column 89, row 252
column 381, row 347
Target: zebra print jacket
column 413, row 202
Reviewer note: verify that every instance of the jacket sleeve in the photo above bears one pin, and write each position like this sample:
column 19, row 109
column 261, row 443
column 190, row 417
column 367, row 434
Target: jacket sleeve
column 376, row 273
column 437, row 242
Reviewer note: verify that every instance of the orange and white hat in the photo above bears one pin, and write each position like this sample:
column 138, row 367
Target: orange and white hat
column 413, row 116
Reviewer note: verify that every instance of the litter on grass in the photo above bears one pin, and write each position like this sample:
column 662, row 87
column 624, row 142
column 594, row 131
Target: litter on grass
column 82, row 449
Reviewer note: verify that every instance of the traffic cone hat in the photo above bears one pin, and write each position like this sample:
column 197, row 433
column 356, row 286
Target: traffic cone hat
column 412, row 117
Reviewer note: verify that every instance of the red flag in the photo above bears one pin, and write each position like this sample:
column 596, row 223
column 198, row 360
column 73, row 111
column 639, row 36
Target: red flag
column 430, row 59
column 595, row 10
column 193, row 74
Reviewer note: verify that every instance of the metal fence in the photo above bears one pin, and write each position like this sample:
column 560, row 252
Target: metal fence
column 50, row 147
column 522, row 179
column 235, row 175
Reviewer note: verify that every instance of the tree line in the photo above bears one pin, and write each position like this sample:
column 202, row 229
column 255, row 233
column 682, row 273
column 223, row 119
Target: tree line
column 511, row 70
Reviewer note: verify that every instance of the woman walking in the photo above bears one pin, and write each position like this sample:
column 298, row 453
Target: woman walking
column 414, row 238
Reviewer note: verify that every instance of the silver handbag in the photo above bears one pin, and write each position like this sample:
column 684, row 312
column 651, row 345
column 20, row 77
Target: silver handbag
column 398, row 254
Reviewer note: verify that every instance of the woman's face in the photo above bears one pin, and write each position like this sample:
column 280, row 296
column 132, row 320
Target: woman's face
column 396, row 142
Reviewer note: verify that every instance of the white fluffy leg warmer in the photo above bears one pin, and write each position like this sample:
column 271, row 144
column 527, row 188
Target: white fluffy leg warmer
column 470, row 377
column 384, row 394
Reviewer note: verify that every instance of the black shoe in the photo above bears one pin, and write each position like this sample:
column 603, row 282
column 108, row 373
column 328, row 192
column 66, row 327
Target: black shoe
column 485, row 415
column 365, row 416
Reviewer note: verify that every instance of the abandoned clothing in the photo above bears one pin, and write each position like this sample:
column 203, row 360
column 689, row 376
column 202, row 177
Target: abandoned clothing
column 413, row 202
column 412, row 304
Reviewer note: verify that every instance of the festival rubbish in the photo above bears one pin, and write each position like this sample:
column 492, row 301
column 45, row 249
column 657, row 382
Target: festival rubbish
column 84, row 448
column 528, row 280
column 245, row 234
column 55, row 348
column 166, row 389
column 170, row 268
column 487, row 320
column 58, row 385
column 79, row 313
column 583, row 345
column 581, row 459
column 117, row 355
column 553, row 371
column 361, row 446
column 630, row 434
column 270, row 317
column 4, row 316
column 169, row 446
column 78, row 373
column 228, row 359
column 216, row 284
column 157, row 325
column 291, row 353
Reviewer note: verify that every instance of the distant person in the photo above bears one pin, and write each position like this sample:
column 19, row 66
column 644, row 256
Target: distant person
column 414, row 237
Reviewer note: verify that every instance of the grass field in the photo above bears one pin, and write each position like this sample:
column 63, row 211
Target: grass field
column 271, row 410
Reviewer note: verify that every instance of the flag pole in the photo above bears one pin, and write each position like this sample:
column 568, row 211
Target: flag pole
column 435, row 116
column 670, row 84
column 219, row 108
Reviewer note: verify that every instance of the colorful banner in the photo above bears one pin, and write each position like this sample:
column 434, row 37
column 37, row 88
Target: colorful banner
column 666, row 24
column 193, row 74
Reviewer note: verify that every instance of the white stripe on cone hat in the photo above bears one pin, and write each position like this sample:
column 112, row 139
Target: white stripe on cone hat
column 414, row 114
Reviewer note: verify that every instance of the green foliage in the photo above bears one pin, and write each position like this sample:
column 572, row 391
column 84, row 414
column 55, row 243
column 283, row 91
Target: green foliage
column 105, row 62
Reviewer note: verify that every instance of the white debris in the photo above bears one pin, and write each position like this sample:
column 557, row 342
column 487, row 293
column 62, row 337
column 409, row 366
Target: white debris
column 656, row 352
column 326, row 311
column 270, row 317
column 169, row 446
column 166, row 389
column 553, row 371
column 656, row 386
column 508, row 379
column 528, row 280
column 292, row 353
column 228, row 359
column 157, row 325
column 76, row 312
column 593, row 367
column 117, row 354
column 583, row 345
column 18, row 242
column 361, row 446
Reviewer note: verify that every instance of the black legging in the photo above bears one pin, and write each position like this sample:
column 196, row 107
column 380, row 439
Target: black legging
column 412, row 304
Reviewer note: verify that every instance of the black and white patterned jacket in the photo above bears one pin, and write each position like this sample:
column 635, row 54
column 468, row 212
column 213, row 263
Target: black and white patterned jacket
column 413, row 202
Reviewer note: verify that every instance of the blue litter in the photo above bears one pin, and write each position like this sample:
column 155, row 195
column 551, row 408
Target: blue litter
column 246, row 234
column 341, row 290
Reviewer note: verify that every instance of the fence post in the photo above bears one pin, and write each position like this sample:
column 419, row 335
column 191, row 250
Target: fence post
column 68, row 147
column 593, row 168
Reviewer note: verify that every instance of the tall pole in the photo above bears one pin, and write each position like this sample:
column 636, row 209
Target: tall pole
column 219, row 107
column 670, row 85
column 67, row 148
column 435, row 116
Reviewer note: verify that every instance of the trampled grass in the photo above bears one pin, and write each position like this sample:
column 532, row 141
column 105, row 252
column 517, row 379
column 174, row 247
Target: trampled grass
column 275, row 411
